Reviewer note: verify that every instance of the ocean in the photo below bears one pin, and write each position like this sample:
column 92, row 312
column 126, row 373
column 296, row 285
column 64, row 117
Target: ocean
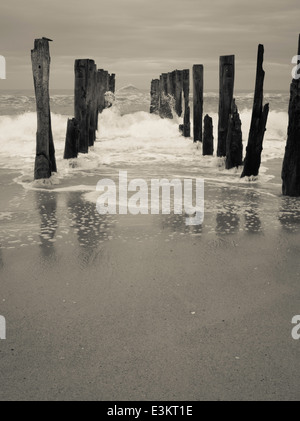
column 128, row 134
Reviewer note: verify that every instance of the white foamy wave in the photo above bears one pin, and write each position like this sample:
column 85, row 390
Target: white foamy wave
column 131, row 139
column 18, row 138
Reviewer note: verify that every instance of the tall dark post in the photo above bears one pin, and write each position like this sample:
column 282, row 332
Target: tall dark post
column 80, row 102
column 198, row 101
column 186, row 95
column 92, row 101
column 208, row 137
column 45, row 162
column 164, row 106
column 291, row 163
column 258, row 122
column 154, row 93
column 72, row 139
column 178, row 92
column 102, row 86
column 226, row 85
column 234, row 143
column 112, row 83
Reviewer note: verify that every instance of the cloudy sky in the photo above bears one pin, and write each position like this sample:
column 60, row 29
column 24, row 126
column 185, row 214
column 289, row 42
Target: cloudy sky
column 139, row 39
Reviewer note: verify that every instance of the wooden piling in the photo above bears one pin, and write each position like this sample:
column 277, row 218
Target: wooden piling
column 178, row 92
column 112, row 83
column 291, row 163
column 102, row 86
column 164, row 105
column 72, row 139
column 80, row 102
column 208, row 137
column 45, row 162
column 186, row 95
column 226, row 86
column 197, row 101
column 234, row 143
column 154, row 94
column 258, row 122
column 92, row 101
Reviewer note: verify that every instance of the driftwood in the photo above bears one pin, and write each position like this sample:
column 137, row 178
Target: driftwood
column 198, row 101
column 258, row 122
column 234, row 143
column 226, row 85
column 291, row 163
column 45, row 163
column 208, row 137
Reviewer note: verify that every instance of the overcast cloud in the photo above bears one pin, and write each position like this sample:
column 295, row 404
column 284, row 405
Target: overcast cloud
column 139, row 39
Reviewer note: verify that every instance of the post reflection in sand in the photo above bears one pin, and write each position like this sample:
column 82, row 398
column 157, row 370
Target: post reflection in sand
column 251, row 215
column 289, row 214
column 91, row 228
column 47, row 207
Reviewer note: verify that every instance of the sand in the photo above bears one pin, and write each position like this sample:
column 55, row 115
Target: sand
column 144, row 307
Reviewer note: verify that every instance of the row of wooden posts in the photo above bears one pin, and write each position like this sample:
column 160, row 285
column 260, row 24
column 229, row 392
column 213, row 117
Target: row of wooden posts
column 166, row 100
column 169, row 97
column 91, row 86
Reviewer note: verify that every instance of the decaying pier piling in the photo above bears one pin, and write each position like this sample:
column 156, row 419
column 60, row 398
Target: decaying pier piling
column 234, row 143
column 154, row 93
column 167, row 94
column 91, row 86
column 208, row 137
column 45, row 163
column 291, row 163
column 197, row 101
column 226, row 86
column 258, row 122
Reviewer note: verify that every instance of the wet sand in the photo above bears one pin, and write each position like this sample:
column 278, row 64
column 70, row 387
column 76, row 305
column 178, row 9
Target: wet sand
column 144, row 307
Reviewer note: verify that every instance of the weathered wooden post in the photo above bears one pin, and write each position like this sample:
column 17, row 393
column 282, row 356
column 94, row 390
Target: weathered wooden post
column 208, row 137
column 291, row 163
column 186, row 95
column 178, row 92
column 226, row 86
column 45, row 162
column 198, row 101
column 154, row 94
column 234, row 143
column 112, row 83
column 72, row 139
column 164, row 106
column 92, row 101
column 80, row 102
column 103, row 86
column 258, row 122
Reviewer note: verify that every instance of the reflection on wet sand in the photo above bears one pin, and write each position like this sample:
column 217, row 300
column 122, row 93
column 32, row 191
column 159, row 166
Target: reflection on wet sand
column 289, row 214
column 177, row 223
column 91, row 228
column 47, row 205
column 252, row 220
column 228, row 221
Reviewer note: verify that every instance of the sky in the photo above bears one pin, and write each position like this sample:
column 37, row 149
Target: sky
column 140, row 39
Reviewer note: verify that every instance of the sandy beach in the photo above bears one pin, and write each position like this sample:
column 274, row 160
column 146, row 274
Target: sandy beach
column 123, row 307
